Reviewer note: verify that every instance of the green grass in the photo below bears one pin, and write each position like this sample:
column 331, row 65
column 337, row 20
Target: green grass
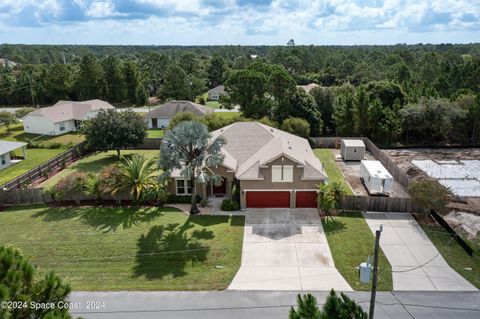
column 105, row 248
column 227, row 115
column 95, row 163
column 35, row 156
column 213, row 104
column 155, row 133
column 351, row 242
column 333, row 172
column 453, row 254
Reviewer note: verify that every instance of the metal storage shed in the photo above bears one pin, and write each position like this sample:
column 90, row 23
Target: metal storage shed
column 352, row 150
column 376, row 178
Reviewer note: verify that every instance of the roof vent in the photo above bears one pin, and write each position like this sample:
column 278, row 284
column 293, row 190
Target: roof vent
column 271, row 130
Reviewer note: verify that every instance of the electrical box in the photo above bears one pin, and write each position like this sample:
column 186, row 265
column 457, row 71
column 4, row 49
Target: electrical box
column 365, row 272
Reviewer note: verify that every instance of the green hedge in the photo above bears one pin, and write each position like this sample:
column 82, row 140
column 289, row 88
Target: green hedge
column 229, row 205
column 182, row 199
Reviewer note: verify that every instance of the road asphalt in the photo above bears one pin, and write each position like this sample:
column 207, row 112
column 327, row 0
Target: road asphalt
column 265, row 304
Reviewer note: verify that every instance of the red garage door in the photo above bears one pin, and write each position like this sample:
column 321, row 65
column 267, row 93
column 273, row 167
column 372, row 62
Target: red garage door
column 306, row 199
column 268, row 199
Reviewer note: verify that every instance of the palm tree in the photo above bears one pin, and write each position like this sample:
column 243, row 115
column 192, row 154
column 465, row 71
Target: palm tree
column 188, row 147
column 136, row 174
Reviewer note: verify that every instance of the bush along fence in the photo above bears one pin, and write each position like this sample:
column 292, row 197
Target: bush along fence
column 59, row 161
column 391, row 204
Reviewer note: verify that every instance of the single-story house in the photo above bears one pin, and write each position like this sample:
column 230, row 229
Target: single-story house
column 352, row 150
column 63, row 117
column 267, row 166
column 217, row 92
column 307, row 88
column 161, row 116
column 6, row 147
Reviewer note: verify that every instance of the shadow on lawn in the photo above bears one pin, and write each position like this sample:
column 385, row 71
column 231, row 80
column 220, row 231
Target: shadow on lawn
column 332, row 224
column 167, row 250
column 105, row 219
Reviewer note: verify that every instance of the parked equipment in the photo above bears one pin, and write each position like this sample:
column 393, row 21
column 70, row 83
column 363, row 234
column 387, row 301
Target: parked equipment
column 376, row 178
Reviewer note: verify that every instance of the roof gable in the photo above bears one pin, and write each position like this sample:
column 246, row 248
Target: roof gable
column 70, row 110
column 169, row 109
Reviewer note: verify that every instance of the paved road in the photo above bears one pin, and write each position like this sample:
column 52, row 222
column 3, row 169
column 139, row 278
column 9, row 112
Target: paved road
column 258, row 304
column 416, row 262
column 286, row 249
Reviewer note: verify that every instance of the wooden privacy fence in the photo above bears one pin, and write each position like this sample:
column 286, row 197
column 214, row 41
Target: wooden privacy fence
column 379, row 204
column 38, row 172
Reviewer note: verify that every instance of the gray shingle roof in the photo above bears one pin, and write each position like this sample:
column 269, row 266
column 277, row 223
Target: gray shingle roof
column 70, row 110
column 169, row 109
column 8, row 146
column 218, row 89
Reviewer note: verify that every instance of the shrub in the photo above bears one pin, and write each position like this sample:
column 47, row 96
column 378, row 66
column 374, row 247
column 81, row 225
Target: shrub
column 229, row 205
column 181, row 117
column 55, row 145
column 181, row 199
column 92, row 187
column 201, row 100
column 157, row 195
column 108, row 179
column 21, row 112
column 297, row 126
column 72, row 187
column 51, row 192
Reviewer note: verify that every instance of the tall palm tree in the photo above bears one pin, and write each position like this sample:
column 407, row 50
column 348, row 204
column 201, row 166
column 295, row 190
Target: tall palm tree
column 188, row 147
column 135, row 175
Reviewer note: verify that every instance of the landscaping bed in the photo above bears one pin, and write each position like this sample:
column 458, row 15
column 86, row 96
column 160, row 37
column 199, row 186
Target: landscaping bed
column 127, row 248
column 351, row 242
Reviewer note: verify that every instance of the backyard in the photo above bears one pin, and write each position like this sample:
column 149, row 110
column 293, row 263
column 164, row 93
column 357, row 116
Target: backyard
column 333, row 172
column 155, row 133
column 95, row 163
column 351, row 242
column 127, row 248
column 35, row 156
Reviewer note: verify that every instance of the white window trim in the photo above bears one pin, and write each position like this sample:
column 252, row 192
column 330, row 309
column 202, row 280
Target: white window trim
column 185, row 187
column 282, row 170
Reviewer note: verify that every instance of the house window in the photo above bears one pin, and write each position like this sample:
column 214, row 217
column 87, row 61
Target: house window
column 3, row 159
column 181, row 189
column 282, row 173
column 62, row 126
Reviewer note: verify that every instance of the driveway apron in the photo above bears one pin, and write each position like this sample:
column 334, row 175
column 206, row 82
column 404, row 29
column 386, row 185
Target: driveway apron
column 286, row 249
column 416, row 262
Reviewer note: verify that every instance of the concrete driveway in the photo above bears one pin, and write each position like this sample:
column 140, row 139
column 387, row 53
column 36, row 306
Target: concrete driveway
column 416, row 262
column 286, row 249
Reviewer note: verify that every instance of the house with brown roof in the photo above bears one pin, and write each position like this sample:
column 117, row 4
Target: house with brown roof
column 161, row 116
column 62, row 117
column 267, row 166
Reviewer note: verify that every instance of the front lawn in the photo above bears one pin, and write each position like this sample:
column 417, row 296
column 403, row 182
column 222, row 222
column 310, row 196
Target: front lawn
column 95, row 163
column 351, row 242
column 105, row 248
column 454, row 255
column 334, row 174
column 155, row 133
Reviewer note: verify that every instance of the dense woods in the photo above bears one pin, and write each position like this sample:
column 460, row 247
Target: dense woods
column 413, row 94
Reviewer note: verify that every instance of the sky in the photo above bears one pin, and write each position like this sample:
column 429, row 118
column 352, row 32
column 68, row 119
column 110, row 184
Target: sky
column 244, row 22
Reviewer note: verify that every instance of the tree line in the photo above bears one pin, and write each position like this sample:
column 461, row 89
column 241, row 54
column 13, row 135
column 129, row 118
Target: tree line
column 402, row 93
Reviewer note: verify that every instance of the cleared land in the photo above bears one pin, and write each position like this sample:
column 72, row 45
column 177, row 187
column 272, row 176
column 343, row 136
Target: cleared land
column 351, row 242
column 95, row 163
column 334, row 174
column 127, row 248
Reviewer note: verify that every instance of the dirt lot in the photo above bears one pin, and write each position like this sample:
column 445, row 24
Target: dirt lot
column 351, row 171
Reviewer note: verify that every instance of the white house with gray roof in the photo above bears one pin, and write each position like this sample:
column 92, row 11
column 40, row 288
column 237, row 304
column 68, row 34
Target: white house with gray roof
column 270, row 168
column 161, row 116
column 62, row 117
column 217, row 92
column 6, row 149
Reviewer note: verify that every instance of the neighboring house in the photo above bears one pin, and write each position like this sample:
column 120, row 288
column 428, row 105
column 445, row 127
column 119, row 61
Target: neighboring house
column 267, row 167
column 161, row 116
column 63, row 117
column 6, row 147
column 217, row 92
column 352, row 150
column 307, row 88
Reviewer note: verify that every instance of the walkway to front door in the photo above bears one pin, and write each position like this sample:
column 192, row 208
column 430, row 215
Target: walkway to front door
column 286, row 249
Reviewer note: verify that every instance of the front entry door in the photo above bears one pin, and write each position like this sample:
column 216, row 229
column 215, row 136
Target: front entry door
column 154, row 123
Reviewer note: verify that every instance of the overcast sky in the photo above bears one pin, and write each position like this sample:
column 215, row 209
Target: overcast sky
column 211, row 22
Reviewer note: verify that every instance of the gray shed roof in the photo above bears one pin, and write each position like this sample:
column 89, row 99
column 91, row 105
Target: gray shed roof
column 8, row 146
column 169, row 109
column 218, row 89
column 353, row 143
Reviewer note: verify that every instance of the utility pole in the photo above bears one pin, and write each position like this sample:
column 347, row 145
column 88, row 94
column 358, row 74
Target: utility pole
column 31, row 90
column 375, row 270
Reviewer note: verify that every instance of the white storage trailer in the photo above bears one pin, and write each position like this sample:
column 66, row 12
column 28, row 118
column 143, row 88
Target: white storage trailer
column 352, row 150
column 376, row 178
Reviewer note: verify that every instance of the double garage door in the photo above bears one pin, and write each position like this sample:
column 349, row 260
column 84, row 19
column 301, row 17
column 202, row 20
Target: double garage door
column 280, row 199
